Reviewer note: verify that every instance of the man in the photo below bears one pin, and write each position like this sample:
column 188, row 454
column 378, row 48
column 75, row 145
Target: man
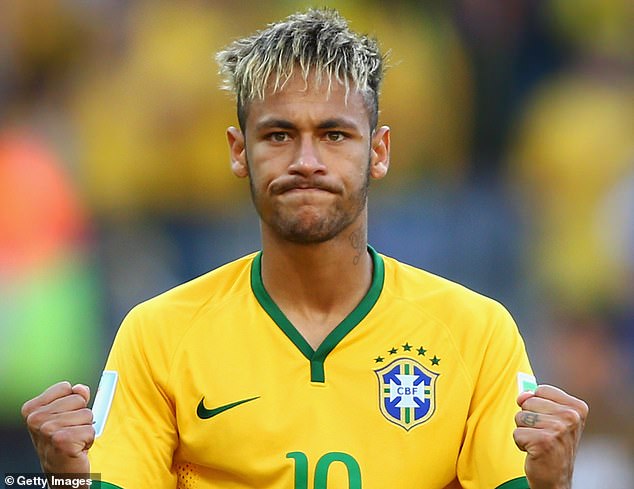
column 316, row 363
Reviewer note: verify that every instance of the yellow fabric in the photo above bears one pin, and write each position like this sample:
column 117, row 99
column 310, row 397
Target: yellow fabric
column 212, row 338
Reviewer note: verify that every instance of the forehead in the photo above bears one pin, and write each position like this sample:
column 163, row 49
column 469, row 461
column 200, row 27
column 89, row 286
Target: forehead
column 309, row 100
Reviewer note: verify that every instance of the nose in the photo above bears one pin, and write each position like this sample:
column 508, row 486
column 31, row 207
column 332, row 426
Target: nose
column 307, row 161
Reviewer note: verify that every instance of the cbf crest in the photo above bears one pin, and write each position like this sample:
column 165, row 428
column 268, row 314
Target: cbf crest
column 407, row 392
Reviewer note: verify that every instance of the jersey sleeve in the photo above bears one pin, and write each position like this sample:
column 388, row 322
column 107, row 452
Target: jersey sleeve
column 134, row 415
column 489, row 458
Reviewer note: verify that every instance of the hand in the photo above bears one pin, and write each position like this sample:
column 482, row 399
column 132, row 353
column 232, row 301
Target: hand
column 549, row 428
column 60, row 425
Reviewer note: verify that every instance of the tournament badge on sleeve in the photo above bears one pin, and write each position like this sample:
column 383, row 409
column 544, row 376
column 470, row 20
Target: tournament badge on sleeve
column 407, row 395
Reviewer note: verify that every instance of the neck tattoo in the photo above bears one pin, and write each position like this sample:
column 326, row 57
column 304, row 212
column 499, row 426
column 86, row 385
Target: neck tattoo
column 356, row 242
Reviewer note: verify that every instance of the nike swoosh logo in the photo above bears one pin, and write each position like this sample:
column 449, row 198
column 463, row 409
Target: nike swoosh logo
column 204, row 413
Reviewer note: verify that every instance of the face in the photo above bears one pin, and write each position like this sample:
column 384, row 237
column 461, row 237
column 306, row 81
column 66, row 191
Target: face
column 309, row 154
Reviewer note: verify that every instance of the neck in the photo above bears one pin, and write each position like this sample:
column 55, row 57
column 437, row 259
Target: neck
column 317, row 285
column 317, row 274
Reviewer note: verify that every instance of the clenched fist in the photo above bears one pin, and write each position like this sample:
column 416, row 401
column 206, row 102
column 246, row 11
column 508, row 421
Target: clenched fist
column 60, row 425
column 549, row 428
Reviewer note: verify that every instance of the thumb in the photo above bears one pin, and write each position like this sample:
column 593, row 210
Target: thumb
column 83, row 391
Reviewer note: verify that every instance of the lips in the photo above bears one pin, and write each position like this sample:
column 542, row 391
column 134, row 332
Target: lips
column 300, row 184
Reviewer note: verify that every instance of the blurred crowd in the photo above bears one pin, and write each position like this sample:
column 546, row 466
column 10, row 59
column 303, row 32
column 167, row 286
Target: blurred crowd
column 512, row 172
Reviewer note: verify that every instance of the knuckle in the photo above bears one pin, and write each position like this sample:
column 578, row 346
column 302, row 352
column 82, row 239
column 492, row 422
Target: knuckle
column 26, row 409
column 90, row 442
column 519, row 439
column 584, row 409
column 542, row 390
column 527, row 405
column 77, row 400
column 48, row 429
column 559, row 428
column 35, row 419
column 59, row 439
column 30, row 421
column 86, row 415
column 571, row 417
column 64, row 387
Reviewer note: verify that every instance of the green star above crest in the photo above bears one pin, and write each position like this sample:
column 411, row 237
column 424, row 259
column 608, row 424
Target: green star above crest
column 407, row 347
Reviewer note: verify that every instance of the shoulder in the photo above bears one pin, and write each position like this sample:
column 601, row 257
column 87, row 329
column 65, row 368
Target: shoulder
column 451, row 304
column 171, row 313
column 227, row 280
column 410, row 283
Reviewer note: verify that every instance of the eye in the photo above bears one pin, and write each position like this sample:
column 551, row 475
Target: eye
column 278, row 137
column 335, row 136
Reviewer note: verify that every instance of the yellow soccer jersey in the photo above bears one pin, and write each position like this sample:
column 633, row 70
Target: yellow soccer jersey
column 210, row 386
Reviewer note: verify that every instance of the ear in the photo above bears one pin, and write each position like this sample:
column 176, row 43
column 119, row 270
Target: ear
column 380, row 152
column 239, row 166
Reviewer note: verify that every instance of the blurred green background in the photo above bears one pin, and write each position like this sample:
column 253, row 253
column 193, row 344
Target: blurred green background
column 512, row 172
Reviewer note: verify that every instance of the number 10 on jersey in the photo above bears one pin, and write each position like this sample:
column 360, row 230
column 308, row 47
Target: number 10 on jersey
column 321, row 469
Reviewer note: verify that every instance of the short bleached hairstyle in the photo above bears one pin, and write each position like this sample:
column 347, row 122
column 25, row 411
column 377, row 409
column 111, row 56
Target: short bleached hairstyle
column 317, row 42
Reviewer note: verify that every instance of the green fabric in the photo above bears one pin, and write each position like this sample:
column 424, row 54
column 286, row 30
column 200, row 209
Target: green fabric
column 103, row 485
column 519, row 483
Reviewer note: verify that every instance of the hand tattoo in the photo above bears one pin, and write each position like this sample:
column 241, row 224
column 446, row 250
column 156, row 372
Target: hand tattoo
column 530, row 419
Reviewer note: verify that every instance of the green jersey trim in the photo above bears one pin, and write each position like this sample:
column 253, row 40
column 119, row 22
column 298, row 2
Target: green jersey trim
column 519, row 483
column 103, row 485
column 318, row 357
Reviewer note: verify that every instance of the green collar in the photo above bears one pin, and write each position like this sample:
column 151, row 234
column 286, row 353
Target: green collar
column 317, row 357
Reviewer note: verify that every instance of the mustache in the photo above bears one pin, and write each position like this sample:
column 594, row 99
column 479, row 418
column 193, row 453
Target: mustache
column 297, row 182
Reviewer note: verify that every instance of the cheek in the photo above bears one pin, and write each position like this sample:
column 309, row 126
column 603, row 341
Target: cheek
column 266, row 161
column 260, row 179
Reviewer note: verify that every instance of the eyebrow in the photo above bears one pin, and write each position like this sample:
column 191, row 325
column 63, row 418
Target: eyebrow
column 274, row 123
column 333, row 123
column 338, row 122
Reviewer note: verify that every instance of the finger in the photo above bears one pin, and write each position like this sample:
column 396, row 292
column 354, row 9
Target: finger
column 57, row 422
column 553, row 442
column 561, row 397
column 561, row 425
column 535, row 441
column 73, row 440
column 541, row 405
column 83, row 390
column 523, row 438
column 523, row 396
column 554, row 422
column 72, row 402
column 529, row 419
column 566, row 417
column 55, row 391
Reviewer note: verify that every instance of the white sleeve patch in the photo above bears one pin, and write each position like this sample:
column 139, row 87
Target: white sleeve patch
column 103, row 399
column 526, row 382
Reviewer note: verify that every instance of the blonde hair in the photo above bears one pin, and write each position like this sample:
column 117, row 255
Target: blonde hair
column 318, row 42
